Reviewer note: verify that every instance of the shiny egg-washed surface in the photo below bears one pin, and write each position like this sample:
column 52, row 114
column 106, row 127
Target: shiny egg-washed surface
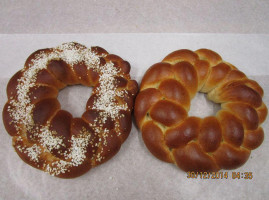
column 212, row 143
column 49, row 138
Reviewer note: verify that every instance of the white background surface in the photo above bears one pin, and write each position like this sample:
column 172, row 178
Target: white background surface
column 134, row 173
column 110, row 16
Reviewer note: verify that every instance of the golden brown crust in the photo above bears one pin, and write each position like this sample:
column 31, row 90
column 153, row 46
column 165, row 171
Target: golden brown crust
column 50, row 139
column 195, row 144
column 154, row 140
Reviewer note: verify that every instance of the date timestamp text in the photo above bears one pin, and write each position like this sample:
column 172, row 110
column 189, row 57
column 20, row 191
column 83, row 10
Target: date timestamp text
column 220, row 175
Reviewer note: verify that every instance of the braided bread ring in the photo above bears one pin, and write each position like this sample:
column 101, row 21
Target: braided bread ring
column 50, row 139
column 216, row 142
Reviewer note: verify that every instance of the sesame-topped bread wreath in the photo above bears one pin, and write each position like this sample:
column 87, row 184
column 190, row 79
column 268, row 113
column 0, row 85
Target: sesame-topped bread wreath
column 50, row 139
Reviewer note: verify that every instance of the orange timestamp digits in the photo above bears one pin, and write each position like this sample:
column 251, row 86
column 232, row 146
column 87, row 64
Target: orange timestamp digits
column 242, row 175
column 207, row 175
column 219, row 175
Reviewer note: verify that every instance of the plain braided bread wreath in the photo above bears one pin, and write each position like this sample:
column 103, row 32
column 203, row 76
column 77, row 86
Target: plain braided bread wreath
column 212, row 143
column 50, row 139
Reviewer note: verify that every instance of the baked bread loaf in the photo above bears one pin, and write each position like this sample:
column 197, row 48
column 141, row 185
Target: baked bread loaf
column 198, row 144
column 50, row 139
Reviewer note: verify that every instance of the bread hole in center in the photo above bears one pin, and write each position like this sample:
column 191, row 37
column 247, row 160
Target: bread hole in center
column 74, row 99
column 202, row 107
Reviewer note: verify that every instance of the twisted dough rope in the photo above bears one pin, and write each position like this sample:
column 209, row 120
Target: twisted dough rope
column 192, row 143
column 49, row 138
